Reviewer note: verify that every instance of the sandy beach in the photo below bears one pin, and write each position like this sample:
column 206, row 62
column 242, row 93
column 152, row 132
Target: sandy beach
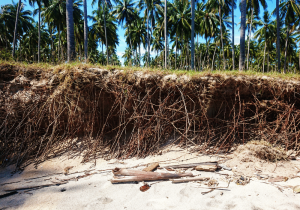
column 88, row 186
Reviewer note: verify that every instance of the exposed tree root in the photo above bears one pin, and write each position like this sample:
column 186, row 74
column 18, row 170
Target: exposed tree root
column 125, row 114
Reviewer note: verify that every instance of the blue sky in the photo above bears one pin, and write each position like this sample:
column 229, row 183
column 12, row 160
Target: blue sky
column 122, row 44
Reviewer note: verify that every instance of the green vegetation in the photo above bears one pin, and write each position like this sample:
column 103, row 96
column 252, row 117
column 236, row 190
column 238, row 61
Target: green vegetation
column 169, row 31
column 179, row 72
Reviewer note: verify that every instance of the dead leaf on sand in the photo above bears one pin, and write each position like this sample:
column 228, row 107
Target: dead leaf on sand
column 278, row 179
column 144, row 188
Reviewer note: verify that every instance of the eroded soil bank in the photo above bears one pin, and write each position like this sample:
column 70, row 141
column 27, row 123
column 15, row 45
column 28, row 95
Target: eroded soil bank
column 122, row 114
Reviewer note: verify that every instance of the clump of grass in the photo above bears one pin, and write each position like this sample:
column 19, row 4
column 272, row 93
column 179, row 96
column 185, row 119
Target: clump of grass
column 262, row 150
column 178, row 72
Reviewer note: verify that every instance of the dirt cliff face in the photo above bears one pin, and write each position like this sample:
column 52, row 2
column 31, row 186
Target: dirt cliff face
column 92, row 111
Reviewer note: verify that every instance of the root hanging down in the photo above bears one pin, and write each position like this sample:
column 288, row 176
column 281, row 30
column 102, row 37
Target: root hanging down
column 113, row 113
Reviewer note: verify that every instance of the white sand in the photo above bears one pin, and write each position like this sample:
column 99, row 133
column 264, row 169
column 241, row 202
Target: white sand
column 97, row 192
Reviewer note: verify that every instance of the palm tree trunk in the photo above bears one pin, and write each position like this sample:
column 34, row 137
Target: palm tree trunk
column 220, row 19
column 232, row 41
column 107, row 58
column 140, row 54
column 85, row 31
column 268, row 61
column 264, row 56
column 59, row 42
column 181, row 57
column 286, row 45
column 207, row 54
column 197, row 53
column 242, row 35
column 15, row 31
column 5, row 40
column 200, row 60
column 70, row 31
column 288, row 66
column 148, row 38
column 136, row 57
column 213, row 60
column 52, row 57
column 166, row 38
column 192, row 35
column 39, row 40
column 129, row 42
column 299, row 55
column 249, row 38
column 278, row 35
column 176, row 54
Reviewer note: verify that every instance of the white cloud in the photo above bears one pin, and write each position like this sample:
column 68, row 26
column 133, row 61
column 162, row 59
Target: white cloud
column 120, row 54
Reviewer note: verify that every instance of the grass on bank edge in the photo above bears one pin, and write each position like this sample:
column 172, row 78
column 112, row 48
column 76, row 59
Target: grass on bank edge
column 179, row 72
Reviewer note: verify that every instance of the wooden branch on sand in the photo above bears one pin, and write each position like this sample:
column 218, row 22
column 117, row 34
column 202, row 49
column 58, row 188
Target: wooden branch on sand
column 210, row 168
column 190, row 179
column 191, row 165
column 138, row 176
column 151, row 167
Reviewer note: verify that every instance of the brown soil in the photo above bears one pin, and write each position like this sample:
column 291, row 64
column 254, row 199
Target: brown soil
column 115, row 113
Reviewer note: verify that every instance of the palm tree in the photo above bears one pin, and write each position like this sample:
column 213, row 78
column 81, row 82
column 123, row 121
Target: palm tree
column 223, row 7
column 180, row 20
column 85, row 30
column 289, row 10
column 242, row 35
column 254, row 6
column 7, row 19
column 142, row 5
column 70, row 31
column 138, row 34
column 54, row 14
column 29, row 42
column 233, row 6
column 15, row 31
column 192, row 34
column 207, row 22
column 124, row 11
column 278, row 35
column 127, row 56
column 166, row 33
column 23, row 23
column 265, row 34
column 39, row 3
column 110, row 38
column 104, row 5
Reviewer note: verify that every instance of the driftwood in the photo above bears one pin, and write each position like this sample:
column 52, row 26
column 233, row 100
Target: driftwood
column 138, row 176
column 129, row 172
column 151, row 167
column 36, row 187
column 8, row 194
column 206, row 168
column 191, row 165
column 190, row 179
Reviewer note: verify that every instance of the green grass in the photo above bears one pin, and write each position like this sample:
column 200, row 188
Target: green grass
column 128, row 69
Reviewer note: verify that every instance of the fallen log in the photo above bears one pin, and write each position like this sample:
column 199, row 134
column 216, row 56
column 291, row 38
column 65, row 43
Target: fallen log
column 147, row 176
column 210, row 168
column 151, row 167
column 190, row 179
column 190, row 165
column 128, row 172
column 36, row 187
